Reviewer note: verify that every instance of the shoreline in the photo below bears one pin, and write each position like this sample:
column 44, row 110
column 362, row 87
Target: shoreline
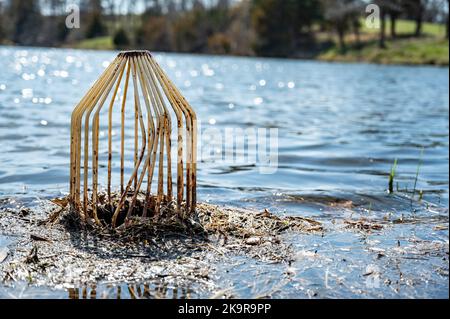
column 330, row 56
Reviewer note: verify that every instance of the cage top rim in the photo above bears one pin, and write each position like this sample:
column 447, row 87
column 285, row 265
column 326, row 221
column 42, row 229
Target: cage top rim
column 133, row 53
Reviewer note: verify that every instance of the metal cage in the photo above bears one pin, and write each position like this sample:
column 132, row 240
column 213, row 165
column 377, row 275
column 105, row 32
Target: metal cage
column 148, row 100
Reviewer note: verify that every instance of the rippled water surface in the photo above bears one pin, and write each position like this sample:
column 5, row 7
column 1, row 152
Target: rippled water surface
column 340, row 128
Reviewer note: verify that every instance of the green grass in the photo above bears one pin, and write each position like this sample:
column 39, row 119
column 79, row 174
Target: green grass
column 100, row 43
column 426, row 50
column 417, row 174
column 406, row 27
column 431, row 48
column 392, row 176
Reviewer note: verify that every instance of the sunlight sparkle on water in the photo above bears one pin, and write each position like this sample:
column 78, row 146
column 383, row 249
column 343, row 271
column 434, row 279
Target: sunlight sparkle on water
column 258, row 101
column 28, row 77
column 27, row 93
column 207, row 71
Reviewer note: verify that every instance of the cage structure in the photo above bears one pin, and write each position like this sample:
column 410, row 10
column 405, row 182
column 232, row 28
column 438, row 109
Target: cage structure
column 149, row 105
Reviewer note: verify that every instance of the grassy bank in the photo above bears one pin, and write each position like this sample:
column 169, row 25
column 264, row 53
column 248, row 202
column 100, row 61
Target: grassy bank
column 415, row 51
column 100, row 43
column 430, row 49
column 407, row 27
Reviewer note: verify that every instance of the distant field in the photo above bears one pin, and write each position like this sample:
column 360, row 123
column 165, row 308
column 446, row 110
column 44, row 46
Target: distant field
column 432, row 51
column 432, row 48
column 100, row 43
column 405, row 27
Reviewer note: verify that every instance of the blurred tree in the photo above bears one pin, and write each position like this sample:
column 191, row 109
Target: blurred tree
column 152, row 8
column 191, row 30
column 356, row 26
column 219, row 43
column 279, row 23
column 416, row 9
column 202, row 27
column 25, row 18
column 244, row 27
column 394, row 10
column 447, row 26
column 391, row 8
column 95, row 27
column 120, row 39
column 2, row 32
column 154, row 33
column 2, row 19
column 342, row 16
column 384, row 9
column 419, row 9
column 240, row 31
column 53, row 7
column 437, row 11
column 95, row 6
column 111, row 7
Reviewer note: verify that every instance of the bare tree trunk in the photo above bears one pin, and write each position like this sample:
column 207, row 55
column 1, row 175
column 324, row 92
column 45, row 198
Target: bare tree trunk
column 447, row 27
column 419, row 19
column 393, row 25
column 356, row 31
column 382, row 42
column 341, row 36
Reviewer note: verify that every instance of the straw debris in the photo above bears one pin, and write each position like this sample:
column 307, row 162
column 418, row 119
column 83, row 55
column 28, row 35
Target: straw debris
column 63, row 250
column 253, row 228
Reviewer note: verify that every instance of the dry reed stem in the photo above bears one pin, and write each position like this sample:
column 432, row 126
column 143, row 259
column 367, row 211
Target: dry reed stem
column 152, row 140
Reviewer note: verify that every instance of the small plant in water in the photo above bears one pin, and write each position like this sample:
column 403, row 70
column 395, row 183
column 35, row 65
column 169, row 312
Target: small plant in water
column 417, row 176
column 147, row 100
column 392, row 177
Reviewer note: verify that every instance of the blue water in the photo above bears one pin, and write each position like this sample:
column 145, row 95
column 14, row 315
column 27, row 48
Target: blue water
column 340, row 128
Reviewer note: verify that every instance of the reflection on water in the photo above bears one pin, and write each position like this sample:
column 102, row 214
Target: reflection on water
column 340, row 128
column 129, row 291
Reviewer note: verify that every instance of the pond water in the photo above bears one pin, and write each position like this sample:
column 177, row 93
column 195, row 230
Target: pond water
column 340, row 128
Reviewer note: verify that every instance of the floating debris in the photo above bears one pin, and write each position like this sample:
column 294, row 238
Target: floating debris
column 64, row 251
column 3, row 253
column 363, row 224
